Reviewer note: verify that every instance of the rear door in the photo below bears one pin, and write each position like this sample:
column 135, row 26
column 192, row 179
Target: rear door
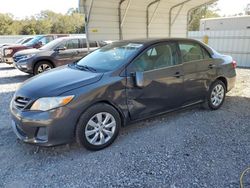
column 198, row 68
column 163, row 81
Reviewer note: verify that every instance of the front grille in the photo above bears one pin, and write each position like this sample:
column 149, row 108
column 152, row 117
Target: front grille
column 21, row 102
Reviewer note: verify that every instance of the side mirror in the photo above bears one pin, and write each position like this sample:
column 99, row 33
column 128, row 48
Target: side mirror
column 139, row 79
column 60, row 49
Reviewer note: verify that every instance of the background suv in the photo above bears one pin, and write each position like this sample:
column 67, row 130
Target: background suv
column 37, row 42
column 19, row 41
column 59, row 52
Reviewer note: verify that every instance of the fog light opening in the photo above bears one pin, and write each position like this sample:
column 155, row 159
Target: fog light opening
column 42, row 134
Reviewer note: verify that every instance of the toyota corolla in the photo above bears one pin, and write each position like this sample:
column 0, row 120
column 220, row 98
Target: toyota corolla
column 88, row 101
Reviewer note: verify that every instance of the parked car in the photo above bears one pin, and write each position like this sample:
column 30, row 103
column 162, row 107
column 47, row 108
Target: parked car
column 58, row 52
column 37, row 42
column 19, row 41
column 120, row 83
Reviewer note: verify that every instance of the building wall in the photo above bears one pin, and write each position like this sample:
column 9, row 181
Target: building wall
column 235, row 43
column 220, row 24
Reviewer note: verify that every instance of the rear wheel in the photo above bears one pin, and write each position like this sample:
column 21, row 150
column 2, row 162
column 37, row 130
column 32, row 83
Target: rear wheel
column 42, row 66
column 98, row 127
column 216, row 96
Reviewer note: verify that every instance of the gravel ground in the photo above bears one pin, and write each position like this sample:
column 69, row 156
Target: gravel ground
column 189, row 148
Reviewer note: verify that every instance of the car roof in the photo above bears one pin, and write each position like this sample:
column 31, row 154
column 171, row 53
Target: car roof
column 73, row 37
column 151, row 41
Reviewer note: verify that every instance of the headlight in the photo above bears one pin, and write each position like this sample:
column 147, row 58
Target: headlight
column 23, row 57
column 48, row 103
column 8, row 51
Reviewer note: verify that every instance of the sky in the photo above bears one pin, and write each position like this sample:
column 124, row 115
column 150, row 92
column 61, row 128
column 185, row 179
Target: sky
column 24, row 8
column 231, row 7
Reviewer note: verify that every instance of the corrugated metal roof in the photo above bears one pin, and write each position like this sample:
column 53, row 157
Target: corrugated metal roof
column 137, row 18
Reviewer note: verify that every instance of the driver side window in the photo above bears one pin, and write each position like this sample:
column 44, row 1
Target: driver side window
column 42, row 41
column 157, row 57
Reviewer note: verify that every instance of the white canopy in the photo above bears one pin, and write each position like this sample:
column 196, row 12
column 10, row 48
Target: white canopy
column 128, row 19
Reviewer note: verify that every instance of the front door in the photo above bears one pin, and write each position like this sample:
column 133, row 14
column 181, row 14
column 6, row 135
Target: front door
column 163, row 81
column 69, row 54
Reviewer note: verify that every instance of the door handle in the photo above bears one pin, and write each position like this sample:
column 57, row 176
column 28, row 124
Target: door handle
column 177, row 74
column 211, row 66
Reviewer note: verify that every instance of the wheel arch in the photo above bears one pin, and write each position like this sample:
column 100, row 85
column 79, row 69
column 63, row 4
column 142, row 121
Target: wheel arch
column 224, row 80
column 44, row 59
column 121, row 114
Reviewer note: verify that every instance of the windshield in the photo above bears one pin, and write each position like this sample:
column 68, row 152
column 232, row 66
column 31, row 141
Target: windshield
column 19, row 41
column 33, row 41
column 111, row 56
column 51, row 45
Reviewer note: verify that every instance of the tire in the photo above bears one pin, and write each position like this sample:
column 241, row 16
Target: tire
column 92, row 127
column 42, row 66
column 216, row 96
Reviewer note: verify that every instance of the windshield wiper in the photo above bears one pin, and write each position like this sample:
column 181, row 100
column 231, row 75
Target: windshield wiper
column 85, row 67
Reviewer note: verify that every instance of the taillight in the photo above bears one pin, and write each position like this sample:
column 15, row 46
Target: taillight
column 234, row 63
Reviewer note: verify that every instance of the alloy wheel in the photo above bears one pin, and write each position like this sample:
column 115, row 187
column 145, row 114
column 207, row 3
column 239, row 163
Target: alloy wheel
column 43, row 68
column 217, row 95
column 100, row 128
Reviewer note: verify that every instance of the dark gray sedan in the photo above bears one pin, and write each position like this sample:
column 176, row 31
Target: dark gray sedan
column 120, row 83
column 56, row 53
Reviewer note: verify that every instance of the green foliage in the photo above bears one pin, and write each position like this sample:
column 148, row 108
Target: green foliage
column 201, row 13
column 5, row 21
column 45, row 22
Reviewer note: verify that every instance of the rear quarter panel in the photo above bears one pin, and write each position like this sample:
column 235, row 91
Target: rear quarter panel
column 225, row 69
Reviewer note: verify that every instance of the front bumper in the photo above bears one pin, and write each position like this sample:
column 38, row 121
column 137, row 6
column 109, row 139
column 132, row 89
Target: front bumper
column 23, row 66
column 48, row 128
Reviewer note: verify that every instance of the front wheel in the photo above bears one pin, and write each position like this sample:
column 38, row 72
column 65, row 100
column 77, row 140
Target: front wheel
column 98, row 127
column 216, row 96
column 42, row 66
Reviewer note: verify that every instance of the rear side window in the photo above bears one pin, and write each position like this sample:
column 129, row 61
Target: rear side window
column 93, row 44
column 192, row 52
column 83, row 43
column 160, row 56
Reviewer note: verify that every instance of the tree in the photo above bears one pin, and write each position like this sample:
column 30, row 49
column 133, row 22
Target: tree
column 6, row 20
column 201, row 13
column 45, row 22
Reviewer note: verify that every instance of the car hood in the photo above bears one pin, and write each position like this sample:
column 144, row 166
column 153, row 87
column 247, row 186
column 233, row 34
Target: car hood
column 28, row 51
column 7, row 44
column 56, row 82
column 16, row 46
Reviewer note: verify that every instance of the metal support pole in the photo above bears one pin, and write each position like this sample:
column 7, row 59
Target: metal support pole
column 170, row 15
column 87, row 19
column 126, row 12
column 120, row 19
column 150, row 21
